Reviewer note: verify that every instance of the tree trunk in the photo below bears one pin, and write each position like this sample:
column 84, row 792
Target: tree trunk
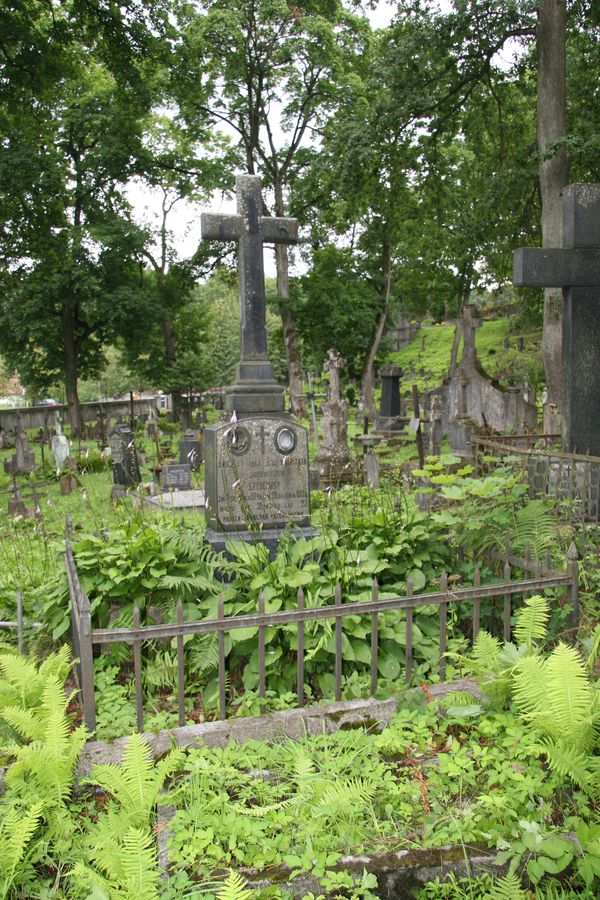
column 553, row 171
column 171, row 357
column 70, row 358
column 367, row 385
column 290, row 334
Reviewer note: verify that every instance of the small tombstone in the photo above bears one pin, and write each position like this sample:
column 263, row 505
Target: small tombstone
column 16, row 505
column 46, row 435
column 23, row 461
column 506, row 343
column 520, row 344
column 391, row 406
column 126, row 469
column 177, row 477
column 435, row 425
column 371, row 461
column 190, row 449
column 334, row 462
column 61, row 449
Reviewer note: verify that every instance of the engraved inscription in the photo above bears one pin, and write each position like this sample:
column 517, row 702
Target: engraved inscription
column 262, row 486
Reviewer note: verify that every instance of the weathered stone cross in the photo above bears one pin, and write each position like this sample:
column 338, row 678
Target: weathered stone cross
column 255, row 389
column 576, row 268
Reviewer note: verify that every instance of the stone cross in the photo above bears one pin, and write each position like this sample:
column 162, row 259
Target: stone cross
column 576, row 269
column 471, row 321
column 255, row 389
column 334, row 365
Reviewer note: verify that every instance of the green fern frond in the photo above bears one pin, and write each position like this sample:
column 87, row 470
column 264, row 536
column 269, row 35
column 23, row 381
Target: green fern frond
column 555, row 695
column 139, row 865
column 16, row 833
column 532, row 620
column 485, row 652
column 57, row 665
column 534, row 527
column 303, row 768
column 136, row 783
column 24, row 721
column 529, row 685
column 347, row 797
column 234, row 888
column 508, row 888
column 573, row 763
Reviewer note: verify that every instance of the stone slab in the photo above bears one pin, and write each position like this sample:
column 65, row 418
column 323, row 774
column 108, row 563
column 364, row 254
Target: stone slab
column 192, row 499
column 250, row 481
column 289, row 723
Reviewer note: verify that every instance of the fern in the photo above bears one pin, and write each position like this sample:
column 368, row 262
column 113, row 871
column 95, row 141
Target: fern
column 234, row 888
column 508, row 888
column 16, row 833
column 532, row 620
column 137, row 782
column 534, row 528
column 486, row 650
column 573, row 763
column 555, row 695
column 129, row 868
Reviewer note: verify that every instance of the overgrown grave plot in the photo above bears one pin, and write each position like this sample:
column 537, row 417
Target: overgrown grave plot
column 316, row 811
column 310, row 624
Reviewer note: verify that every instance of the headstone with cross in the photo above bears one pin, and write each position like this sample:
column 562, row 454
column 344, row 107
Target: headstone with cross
column 257, row 463
column 576, row 269
column 255, row 389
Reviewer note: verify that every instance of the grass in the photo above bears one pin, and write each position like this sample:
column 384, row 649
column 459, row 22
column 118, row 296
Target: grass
column 426, row 358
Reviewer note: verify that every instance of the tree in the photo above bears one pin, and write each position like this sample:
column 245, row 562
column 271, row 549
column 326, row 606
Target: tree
column 271, row 73
column 181, row 165
column 72, row 92
column 69, row 241
column 553, row 170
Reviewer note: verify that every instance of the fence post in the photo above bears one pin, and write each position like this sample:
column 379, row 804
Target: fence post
column 573, row 572
column 86, row 659
column 20, row 620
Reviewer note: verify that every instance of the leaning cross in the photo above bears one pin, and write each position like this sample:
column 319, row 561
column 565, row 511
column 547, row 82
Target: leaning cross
column 576, row 269
column 251, row 230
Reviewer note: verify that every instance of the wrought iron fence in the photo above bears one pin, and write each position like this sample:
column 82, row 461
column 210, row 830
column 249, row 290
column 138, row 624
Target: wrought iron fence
column 539, row 577
column 570, row 480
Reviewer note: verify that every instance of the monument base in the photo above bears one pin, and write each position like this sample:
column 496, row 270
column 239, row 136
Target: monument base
column 218, row 540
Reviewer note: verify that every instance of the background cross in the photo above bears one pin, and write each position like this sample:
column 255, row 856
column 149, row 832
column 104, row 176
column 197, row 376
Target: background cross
column 576, row 269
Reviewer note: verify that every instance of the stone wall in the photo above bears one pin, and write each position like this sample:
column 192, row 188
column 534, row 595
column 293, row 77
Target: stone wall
column 33, row 416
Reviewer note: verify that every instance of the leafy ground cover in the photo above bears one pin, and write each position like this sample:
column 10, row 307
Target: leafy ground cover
column 500, row 774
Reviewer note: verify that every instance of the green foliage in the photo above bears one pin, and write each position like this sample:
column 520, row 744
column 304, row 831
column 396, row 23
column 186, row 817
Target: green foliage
column 136, row 783
column 234, row 888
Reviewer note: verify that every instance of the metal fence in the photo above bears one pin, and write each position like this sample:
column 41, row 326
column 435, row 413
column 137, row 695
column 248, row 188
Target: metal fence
column 570, row 480
column 539, row 576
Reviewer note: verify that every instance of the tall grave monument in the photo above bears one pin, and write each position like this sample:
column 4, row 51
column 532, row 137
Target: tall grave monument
column 257, row 462
column 576, row 269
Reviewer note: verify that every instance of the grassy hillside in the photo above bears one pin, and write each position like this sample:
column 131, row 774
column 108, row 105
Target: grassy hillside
column 426, row 359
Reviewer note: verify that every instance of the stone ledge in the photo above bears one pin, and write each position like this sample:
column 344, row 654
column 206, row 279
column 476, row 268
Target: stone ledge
column 292, row 723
